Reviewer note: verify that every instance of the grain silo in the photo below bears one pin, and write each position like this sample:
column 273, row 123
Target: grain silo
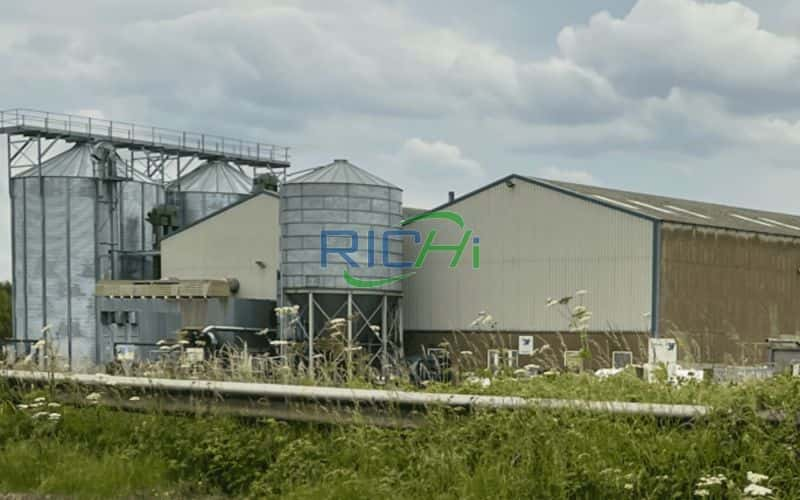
column 208, row 188
column 341, row 206
column 77, row 217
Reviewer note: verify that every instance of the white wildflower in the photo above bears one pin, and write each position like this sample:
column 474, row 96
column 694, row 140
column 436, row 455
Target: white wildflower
column 40, row 400
column 701, row 492
column 22, row 407
column 755, row 490
column 95, row 396
column 479, row 319
column 756, row 478
column 41, row 414
column 53, row 405
column 134, row 398
column 466, row 353
column 628, row 486
column 54, row 416
column 712, row 480
column 36, row 405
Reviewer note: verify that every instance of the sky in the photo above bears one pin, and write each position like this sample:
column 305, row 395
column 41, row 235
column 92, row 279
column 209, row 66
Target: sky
column 684, row 98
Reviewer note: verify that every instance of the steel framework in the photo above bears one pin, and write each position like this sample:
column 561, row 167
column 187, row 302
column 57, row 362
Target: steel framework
column 373, row 325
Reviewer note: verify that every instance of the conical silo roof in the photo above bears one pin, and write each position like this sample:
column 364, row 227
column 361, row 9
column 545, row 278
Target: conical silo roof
column 214, row 177
column 77, row 161
column 342, row 172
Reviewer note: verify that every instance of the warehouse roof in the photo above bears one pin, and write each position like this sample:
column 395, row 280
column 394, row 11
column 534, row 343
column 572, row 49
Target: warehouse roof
column 663, row 208
column 686, row 211
column 341, row 172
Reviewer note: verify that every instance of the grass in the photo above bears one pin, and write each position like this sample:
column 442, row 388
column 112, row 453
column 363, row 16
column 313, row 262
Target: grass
column 95, row 452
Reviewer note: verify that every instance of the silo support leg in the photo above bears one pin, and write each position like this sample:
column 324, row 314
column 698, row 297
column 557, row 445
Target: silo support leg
column 385, row 336
column 311, row 335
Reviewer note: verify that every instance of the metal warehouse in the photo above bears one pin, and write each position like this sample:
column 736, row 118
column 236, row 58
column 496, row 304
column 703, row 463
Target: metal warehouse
column 719, row 279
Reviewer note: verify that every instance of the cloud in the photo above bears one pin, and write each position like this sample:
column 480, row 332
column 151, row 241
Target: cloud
column 428, row 102
column 262, row 62
column 710, row 47
column 684, row 122
column 554, row 173
column 437, row 159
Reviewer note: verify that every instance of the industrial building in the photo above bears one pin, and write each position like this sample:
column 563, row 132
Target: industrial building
column 92, row 201
column 212, row 273
column 122, row 240
column 719, row 279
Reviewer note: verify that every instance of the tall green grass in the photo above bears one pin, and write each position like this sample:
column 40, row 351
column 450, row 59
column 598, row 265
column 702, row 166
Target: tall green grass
column 96, row 452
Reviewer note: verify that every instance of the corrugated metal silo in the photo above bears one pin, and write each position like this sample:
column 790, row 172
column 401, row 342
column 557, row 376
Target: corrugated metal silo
column 208, row 188
column 343, row 197
column 76, row 219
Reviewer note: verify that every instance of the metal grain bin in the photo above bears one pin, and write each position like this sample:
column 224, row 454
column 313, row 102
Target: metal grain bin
column 74, row 223
column 208, row 188
column 338, row 196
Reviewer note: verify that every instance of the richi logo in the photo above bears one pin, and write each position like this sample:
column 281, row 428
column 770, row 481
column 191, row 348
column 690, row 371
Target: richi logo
column 429, row 244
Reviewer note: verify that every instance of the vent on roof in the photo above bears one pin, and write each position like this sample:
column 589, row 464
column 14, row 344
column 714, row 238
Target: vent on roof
column 781, row 224
column 749, row 219
column 651, row 207
column 615, row 202
column 687, row 212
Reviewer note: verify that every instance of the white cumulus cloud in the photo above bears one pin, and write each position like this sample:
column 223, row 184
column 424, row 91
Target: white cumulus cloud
column 437, row 158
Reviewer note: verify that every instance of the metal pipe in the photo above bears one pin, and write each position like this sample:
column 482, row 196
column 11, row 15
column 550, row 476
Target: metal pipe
column 14, row 256
column 226, row 328
column 363, row 396
column 43, row 222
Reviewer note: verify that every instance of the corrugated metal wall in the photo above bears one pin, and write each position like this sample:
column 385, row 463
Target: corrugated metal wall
column 195, row 205
column 82, row 269
column 535, row 243
column 723, row 292
column 69, row 219
column 77, row 232
column 309, row 208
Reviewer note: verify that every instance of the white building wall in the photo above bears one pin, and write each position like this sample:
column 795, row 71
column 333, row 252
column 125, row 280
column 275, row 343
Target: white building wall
column 230, row 245
column 535, row 243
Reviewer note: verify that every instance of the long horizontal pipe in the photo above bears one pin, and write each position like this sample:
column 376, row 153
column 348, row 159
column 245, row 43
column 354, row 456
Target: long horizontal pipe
column 359, row 396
